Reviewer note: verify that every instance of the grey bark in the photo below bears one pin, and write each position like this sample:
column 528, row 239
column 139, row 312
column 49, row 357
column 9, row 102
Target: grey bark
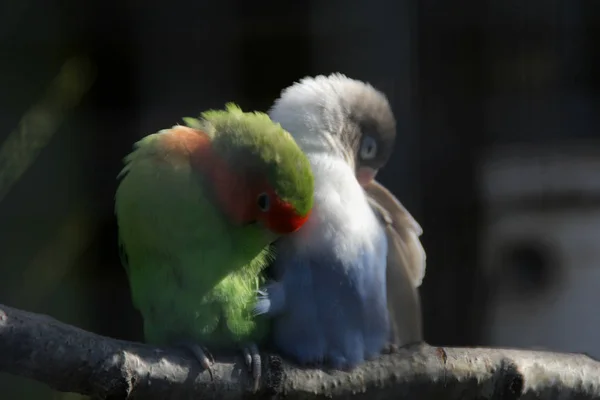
column 70, row 359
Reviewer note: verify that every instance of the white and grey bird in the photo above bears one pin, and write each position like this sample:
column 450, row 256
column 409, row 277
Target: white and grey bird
column 346, row 283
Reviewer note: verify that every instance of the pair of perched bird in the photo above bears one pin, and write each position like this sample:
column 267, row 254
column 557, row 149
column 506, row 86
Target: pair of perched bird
column 237, row 228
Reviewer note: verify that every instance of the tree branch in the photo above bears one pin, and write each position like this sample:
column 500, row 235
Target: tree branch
column 70, row 359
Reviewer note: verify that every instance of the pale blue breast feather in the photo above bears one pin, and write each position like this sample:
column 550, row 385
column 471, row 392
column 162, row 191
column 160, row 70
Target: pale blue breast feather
column 326, row 307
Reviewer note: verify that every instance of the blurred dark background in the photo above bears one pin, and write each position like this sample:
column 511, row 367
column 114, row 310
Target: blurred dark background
column 498, row 116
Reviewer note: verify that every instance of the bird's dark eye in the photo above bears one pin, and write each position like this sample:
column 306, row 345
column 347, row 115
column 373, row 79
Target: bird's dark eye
column 368, row 148
column 263, row 201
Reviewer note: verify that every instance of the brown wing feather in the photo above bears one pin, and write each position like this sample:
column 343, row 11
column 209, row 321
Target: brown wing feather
column 405, row 264
column 405, row 227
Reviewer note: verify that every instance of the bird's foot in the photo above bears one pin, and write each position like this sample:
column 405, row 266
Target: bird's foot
column 254, row 364
column 390, row 348
column 201, row 354
column 270, row 299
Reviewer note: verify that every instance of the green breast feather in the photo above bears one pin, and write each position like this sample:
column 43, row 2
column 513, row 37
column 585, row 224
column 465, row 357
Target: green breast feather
column 193, row 274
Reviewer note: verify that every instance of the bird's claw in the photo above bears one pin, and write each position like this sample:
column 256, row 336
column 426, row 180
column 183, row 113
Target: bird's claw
column 390, row 348
column 253, row 363
column 201, row 354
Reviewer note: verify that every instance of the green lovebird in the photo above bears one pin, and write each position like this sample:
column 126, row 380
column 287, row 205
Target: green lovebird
column 198, row 206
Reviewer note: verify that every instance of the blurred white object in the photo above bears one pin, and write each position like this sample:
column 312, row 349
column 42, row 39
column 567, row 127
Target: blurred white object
column 541, row 247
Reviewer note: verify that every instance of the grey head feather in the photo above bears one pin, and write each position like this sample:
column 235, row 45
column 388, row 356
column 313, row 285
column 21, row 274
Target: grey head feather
column 335, row 113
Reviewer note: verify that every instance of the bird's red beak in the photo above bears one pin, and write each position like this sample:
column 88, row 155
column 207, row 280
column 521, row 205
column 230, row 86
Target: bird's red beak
column 365, row 175
column 288, row 225
column 282, row 218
